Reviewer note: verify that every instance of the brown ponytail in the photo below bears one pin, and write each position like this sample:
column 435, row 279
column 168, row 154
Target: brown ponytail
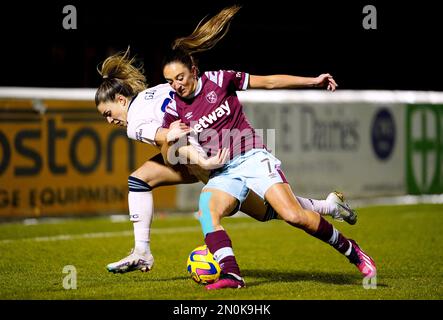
column 120, row 76
column 204, row 37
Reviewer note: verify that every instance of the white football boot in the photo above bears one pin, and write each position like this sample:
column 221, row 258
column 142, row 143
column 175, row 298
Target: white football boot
column 344, row 211
column 135, row 261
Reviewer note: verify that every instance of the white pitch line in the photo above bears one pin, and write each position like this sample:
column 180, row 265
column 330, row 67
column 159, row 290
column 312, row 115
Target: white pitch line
column 96, row 235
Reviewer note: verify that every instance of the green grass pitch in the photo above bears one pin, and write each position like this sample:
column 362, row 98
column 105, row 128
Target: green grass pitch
column 278, row 261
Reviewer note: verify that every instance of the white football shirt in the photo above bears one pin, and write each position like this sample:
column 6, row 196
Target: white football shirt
column 146, row 112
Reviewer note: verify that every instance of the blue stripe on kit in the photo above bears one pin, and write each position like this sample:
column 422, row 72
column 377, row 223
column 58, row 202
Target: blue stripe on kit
column 137, row 185
column 205, row 217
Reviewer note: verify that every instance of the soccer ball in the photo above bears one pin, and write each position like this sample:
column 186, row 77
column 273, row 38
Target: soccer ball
column 202, row 267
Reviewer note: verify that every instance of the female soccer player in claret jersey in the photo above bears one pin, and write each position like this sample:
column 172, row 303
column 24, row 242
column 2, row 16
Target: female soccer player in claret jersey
column 207, row 103
column 124, row 99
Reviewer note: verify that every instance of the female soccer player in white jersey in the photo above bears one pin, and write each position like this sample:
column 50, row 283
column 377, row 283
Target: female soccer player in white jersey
column 208, row 104
column 124, row 99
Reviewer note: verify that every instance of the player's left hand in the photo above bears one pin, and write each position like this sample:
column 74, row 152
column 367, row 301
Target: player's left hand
column 325, row 80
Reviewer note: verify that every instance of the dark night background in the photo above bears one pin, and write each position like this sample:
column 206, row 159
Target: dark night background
column 293, row 37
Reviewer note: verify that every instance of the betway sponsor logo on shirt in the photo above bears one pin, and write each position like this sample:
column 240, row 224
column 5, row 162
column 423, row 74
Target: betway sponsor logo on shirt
column 209, row 119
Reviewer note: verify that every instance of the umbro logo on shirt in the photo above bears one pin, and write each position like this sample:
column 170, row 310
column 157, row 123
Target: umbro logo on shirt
column 188, row 115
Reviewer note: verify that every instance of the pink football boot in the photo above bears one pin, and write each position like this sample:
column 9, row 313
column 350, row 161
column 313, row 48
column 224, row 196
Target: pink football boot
column 363, row 262
column 227, row 281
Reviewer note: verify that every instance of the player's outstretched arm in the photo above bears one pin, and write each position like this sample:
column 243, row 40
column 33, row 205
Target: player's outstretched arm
column 283, row 81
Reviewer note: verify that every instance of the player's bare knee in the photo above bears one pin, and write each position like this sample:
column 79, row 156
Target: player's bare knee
column 218, row 209
column 216, row 214
column 139, row 174
column 148, row 173
column 294, row 217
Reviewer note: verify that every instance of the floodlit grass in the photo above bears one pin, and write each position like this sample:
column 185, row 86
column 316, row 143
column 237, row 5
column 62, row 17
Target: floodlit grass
column 278, row 261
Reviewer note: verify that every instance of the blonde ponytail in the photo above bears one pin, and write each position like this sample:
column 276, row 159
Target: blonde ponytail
column 120, row 76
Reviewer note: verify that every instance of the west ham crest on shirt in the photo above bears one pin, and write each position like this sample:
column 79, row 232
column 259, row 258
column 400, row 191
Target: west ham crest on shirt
column 211, row 97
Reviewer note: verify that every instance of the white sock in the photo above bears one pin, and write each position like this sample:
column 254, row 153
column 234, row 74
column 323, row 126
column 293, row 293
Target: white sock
column 321, row 206
column 141, row 212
